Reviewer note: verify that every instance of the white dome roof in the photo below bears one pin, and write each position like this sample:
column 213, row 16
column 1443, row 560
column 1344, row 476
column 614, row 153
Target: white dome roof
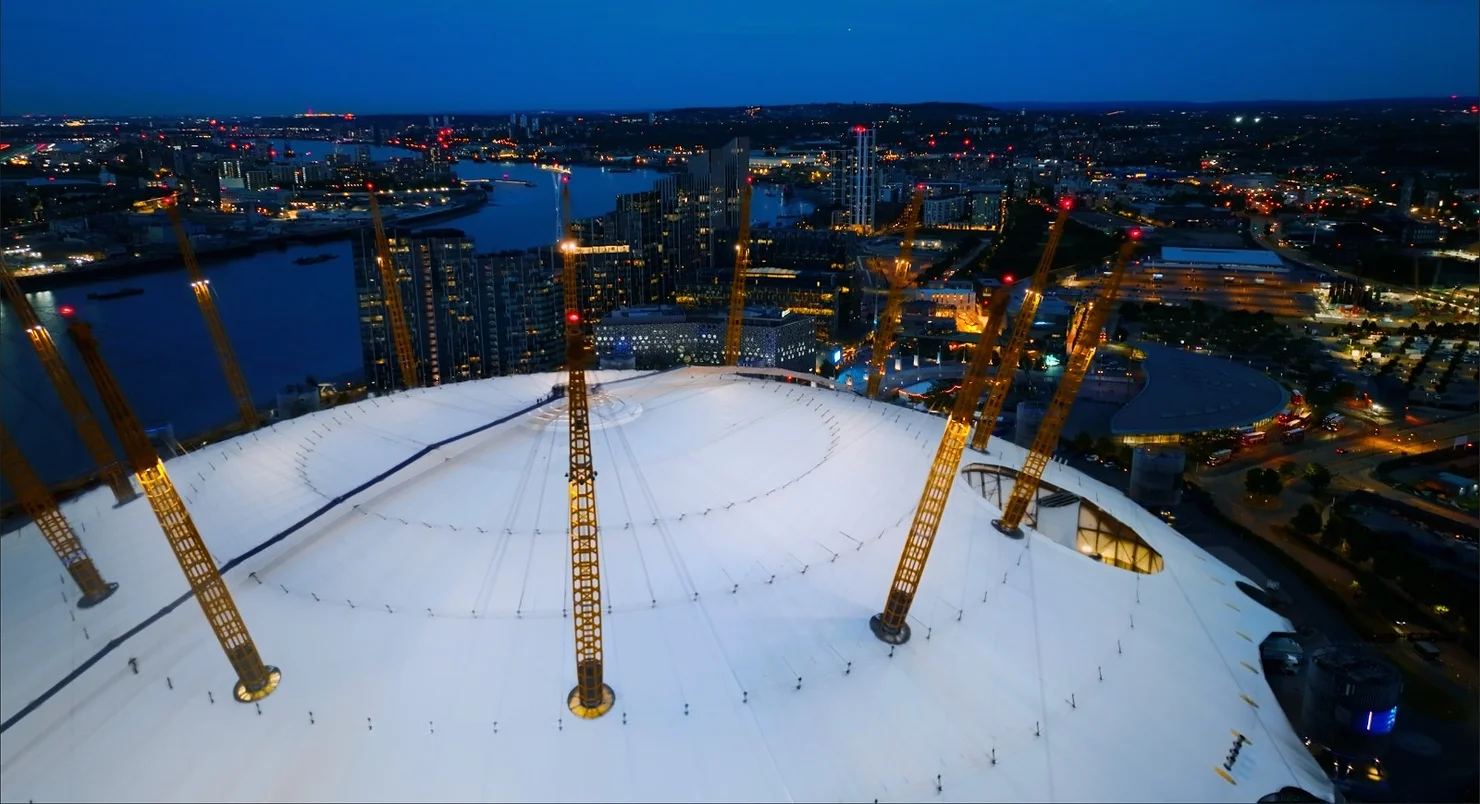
column 750, row 528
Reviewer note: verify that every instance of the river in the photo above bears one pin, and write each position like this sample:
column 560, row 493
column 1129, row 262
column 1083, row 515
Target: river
column 286, row 321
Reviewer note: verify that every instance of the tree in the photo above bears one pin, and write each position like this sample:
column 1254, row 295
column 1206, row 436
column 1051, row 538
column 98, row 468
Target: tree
column 1084, row 442
column 1289, row 469
column 1105, row 447
column 1318, row 476
column 1130, row 311
column 1307, row 521
column 1263, row 482
column 1254, row 481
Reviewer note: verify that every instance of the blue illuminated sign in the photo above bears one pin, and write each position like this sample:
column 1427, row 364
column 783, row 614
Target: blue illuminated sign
column 837, row 355
column 1377, row 722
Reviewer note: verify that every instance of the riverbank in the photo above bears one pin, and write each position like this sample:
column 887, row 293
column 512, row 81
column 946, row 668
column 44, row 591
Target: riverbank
column 168, row 258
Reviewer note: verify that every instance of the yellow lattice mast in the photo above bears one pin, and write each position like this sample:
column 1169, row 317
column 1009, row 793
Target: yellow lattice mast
column 41, row 507
column 734, row 326
column 255, row 680
column 395, row 313
column 899, row 278
column 892, row 625
column 1022, row 327
column 1081, row 352
column 592, row 697
column 88, row 428
column 203, row 297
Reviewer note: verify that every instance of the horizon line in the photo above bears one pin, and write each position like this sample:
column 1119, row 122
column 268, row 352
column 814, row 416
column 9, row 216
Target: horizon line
column 1037, row 104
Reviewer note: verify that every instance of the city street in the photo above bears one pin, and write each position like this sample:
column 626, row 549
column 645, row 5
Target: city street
column 1353, row 469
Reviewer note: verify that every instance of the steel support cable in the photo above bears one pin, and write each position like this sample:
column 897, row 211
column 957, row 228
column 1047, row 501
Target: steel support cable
column 539, row 508
column 674, row 555
column 631, row 525
column 506, row 533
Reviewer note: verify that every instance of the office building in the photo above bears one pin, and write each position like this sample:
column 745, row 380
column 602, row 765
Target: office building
column 822, row 296
column 664, row 336
column 448, row 316
column 256, row 180
column 802, row 249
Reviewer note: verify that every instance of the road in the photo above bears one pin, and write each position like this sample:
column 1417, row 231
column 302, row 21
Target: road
column 1364, row 451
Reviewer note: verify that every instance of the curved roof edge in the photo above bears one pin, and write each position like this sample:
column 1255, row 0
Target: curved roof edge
column 1186, row 392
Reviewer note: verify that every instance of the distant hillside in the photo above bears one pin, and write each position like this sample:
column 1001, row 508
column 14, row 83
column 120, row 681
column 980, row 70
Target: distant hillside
column 1355, row 103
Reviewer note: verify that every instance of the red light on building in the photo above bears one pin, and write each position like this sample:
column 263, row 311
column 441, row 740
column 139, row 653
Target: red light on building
column 1007, row 279
column 932, row 143
column 573, row 317
column 859, row 129
column 1066, row 203
column 1135, row 234
column 967, row 143
column 233, row 146
column 66, row 309
column 369, row 186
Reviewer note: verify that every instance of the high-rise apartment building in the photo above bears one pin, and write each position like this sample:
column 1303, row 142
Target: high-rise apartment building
column 451, row 326
column 718, row 175
column 609, row 261
column 856, row 179
column 523, row 290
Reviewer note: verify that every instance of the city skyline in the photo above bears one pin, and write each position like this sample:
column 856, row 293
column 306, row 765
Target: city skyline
column 468, row 59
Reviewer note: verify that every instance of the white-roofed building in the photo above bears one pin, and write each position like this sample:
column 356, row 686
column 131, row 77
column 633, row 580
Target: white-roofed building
column 1218, row 259
column 405, row 562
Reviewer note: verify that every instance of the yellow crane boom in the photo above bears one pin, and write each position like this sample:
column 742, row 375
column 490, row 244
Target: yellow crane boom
column 87, row 426
column 395, row 313
column 892, row 625
column 733, row 327
column 591, row 697
column 1081, row 352
column 899, row 278
column 1022, row 327
column 255, row 680
column 37, row 502
column 203, row 297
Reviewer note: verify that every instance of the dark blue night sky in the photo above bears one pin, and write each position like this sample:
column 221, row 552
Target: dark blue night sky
column 84, row 57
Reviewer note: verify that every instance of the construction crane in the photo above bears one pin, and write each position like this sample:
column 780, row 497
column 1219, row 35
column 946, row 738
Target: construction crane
column 591, row 697
column 395, row 313
column 203, row 297
column 737, row 284
column 1081, row 351
column 41, row 506
column 88, row 428
column 1022, row 327
column 892, row 625
column 898, row 278
column 255, row 680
